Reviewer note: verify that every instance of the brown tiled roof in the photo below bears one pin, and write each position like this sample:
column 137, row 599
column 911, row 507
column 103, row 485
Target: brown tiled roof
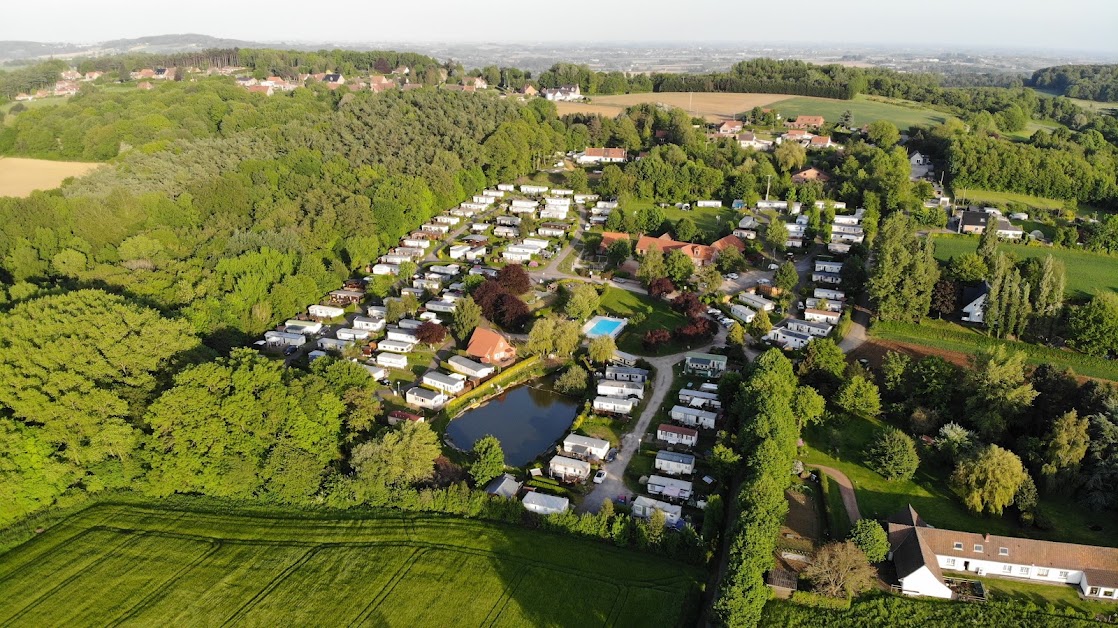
column 821, row 140
column 609, row 237
column 721, row 244
column 676, row 429
column 485, row 343
column 608, row 153
column 665, row 243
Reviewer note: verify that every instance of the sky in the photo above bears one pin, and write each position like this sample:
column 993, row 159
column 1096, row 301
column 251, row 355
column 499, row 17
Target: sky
column 1072, row 25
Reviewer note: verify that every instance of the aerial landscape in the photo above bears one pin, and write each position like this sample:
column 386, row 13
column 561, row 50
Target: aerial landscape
column 498, row 319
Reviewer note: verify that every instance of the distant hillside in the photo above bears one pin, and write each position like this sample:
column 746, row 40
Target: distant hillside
column 1089, row 82
column 157, row 44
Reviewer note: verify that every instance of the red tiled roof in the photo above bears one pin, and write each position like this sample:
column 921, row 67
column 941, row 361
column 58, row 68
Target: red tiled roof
column 724, row 243
column 677, row 429
column 609, row 237
column 487, row 344
column 697, row 252
column 607, row 153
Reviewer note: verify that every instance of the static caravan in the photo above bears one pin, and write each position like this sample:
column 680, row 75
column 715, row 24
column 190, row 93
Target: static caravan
column 505, row 187
column 699, row 399
column 449, row 383
column 333, row 344
column 626, row 374
column 742, row 313
column 445, row 307
column 458, row 251
column 677, row 435
column 693, row 417
column 568, row 469
column 367, row 323
column 395, row 346
column 425, row 398
column 376, row 372
column 325, row 312
column 307, row 328
column 669, row 487
column 787, row 338
column 392, row 360
column 675, row 463
column 533, row 189
column 403, row 335
column 618, row 388
column 544, row 504
column 829, row 294
column 757, row 302
column 469, row 367
column 644, row 506
column 818, row 330
column 614, row 405
column 493, row 193
column 284, row 339
column 386, row 269
column 408, row 323
column 586, row 447
column 352, row 334
column 822, row 316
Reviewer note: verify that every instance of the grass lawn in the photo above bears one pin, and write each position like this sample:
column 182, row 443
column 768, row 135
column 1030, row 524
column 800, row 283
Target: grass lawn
column 657, row 315
column 198, row 562
column 863, row 109
column 1061, row 596
column 1031, row 127
column 841, row 446
column 1087, row 272
column 990, row 197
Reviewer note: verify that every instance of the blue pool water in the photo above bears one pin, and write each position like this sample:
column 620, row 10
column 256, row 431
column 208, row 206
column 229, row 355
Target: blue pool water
column 605, row 327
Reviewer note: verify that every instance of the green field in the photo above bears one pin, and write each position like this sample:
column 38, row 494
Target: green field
column 136, row 564
column 864, row 109
column 657, row 313
column 990, row 197
column 1087, row 272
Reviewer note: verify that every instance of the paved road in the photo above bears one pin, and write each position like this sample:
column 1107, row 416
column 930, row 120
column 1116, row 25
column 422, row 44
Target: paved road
column 846, row 489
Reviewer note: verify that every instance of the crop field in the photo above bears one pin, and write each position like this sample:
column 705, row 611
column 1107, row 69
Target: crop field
column 1087, row 272
column 713, row 106
column 20, row 177
column 142, row 565
column 863, row 110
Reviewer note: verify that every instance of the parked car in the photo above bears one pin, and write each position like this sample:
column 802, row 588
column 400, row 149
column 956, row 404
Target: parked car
column 713, row 311
column 600, row 476
column 763, row 282
column 773, row 267
column 611, row 455
column 733, row 275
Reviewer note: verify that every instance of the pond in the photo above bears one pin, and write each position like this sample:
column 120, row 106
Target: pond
column 527, row 419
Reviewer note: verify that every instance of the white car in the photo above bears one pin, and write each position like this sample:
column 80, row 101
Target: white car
column 600, row 476
column 733, row 275
column 773, row 267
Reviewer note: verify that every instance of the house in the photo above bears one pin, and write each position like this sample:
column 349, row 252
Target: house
column 394, row 346
column 976, row 222
column 476, row 82
column 830, row 294
column 609, row 237
column 699, row 398
column 396, row 417
column 706, row 364
column 756, row 301
column 920, row 553
column 284, row 339
column 742, row 313
column 307, row 328
column 392, row 360
column 425, row 398
column 503, row 485
column 700, row 254
column 975, row 299
column 693, row 417
column 787, row 339
column 470, row 368
column 528, row 91
column 565, row 92
column 810, row 174
column 750, row 140
column 822, row 316
column 669, row 487
column 726, row 242
column 567, row 469
column 805, row 122
column 676, row 435
column 810, row 328
column 729, row 127
column 601, row 156
column 451, row 384
column 352, row 334
column 267, row 90
column 325, row 312
column 644, row 506
column 490, row 347
column 586, row 447
column 615, row 388
column 675, row 463
column 626, row 374
column 820, row 142
column 614, row 405
column 544, row 504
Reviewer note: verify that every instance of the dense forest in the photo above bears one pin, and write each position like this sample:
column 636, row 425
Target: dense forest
column 1089, row 82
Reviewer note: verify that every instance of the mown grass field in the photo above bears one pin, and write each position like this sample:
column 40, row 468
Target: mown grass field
column 657, row 313
column 21, row 177
column 863, row 109
column 1087, row 273
column 991, row 197
column 143, row 565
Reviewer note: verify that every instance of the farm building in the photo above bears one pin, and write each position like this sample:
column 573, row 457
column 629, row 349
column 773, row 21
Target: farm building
column 669, row 487
column 675, row 463
column 614, row 405
column 676, row 435
column 543, row 504
column 586, row 447
column 392, row 360
column 644, row 506
column 469, row 367
column 568, row 469
column 425, row 398
column 693, row 417
column 626, row 374
column 705, row 364
column 615, row 388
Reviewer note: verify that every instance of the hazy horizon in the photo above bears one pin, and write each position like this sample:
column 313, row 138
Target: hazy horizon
column 1086, row 26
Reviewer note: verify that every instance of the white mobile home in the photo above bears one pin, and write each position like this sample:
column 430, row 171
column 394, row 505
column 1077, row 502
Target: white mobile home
column 787, row 339
column 644, row 506
column 586, row 447
column 402, row 335
column 669, row 487
column 544, row 504
column 284, row 339
column 626, row 374
column 534, row 190
column 469, row 367
column 352, row 334
column 368, row 323
column 822, row 316
column 396, row 346
column 449, row 383
column 386, row 269
column 568, row 469
column 675, row 463
column 307, row 328
column 425, row 398
column 742, row 313
column 693, row 417
column 676, row 435
column 325, row 312
column 617, row 388
column 333, row 344
column 756, row 301
column 440, row 306
column 505, row 187
column 829, row 294
column 818, row 330
column 614, row 405
column 699, row 399
column 392, row 360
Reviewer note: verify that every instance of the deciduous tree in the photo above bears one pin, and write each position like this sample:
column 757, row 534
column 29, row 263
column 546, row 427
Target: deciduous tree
column 840, row 570
column 488, row 460
column 870, row 537
column 988, row 481
column 893, row 455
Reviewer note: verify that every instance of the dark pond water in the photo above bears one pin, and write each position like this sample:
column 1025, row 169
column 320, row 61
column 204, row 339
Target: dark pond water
column 527, row 420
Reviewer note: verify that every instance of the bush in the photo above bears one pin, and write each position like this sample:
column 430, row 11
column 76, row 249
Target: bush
column 893, row 455
column 815, row 600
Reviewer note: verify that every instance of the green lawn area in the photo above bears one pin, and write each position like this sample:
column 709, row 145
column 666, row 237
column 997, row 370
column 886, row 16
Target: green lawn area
column 1031, row 127
column 1061, row 596
column 841, row 445
column 31, row 104
column 864, row 109
column 657, row 315
column 197, row 562
column 1087, row 272
column 991, row 197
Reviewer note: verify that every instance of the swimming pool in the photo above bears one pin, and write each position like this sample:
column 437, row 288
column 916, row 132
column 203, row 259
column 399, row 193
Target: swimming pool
column 603, row 326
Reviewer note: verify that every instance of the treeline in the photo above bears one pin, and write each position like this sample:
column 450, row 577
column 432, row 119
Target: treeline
column 1089, row 82
column 770, row 76
column 28, row 80
column 238, row 232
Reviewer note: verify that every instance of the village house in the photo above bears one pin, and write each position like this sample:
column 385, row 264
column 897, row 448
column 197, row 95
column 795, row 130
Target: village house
column 672, row 488
column 469, row 367
column 750, row 140
column 563, row 93
column 614, row 405
column 677, row 435
column 586, row 447
column 675, row 463
column 544, row 504
column 567, row 469
column 699, row 399
column 805, row 122
column 616, row 388
column 974, row 300
column 425, row 398
column 528, row 91
column 729, row 127
column 699, row 254
column 693, row 417
column 601, row 156
column 920, row 553
column 626, row 374
column 810, row 174
column 708, row 365
column 644, row 506
column 975, row 222
column 489, row 347
column 820, row 142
